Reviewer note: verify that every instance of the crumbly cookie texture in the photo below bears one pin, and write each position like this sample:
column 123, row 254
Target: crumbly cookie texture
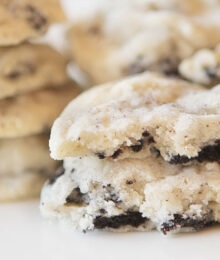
column 149, row 41
column 33, row 113
column 26, row 19
column 25, row 165
column 140, row 116
column 203, row 67
column 29, row 67
column 133, row 194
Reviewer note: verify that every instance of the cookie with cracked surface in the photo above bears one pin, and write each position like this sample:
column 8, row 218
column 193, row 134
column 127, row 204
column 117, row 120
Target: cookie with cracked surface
column 29, row 67
column 203, row 67
column 25, row 166
column 121, row 42
column 34, row 112
column 133, row 194
column 141, row 116
column 21, row 20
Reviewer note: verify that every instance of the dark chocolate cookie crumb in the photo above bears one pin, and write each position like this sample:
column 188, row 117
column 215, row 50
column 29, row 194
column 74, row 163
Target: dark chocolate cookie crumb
column 76, row 197
column 110, row 194
column 138, row 66
column 100, row 155
column 155, row 151
column 209, row 153
column 213, row 74
column 145, row 134
column 131, row 218
column 35, row 18
column 169, row 67
column 180, row 222
column 150, row 140
column 112, row 197
column 59, row 173
column 22, row 69
column 178, row 159
column 116, row 154
column 138, row 147
column 129, row 182
column 102, row 211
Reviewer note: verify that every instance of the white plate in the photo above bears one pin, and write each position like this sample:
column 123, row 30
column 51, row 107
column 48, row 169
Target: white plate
column 24, row 235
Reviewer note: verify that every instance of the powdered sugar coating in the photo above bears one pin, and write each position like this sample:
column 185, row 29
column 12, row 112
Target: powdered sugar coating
column 179, row 118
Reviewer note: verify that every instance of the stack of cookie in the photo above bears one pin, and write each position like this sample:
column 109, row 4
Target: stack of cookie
column 34, row 88
column 144, row 151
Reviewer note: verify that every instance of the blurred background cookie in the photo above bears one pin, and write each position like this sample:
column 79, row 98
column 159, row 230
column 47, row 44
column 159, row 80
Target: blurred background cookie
column 202, row 67
column 113, row 45
column 21, row 20
column 25, row 165
column 34, row 112
column 34, row 89
column 29, row 67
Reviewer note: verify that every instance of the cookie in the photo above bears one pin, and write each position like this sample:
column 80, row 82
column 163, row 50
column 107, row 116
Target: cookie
column 21, row 20
column 187, row 7
column 33, row 113
column 203, row 67
column 152, row 41
column 142, row 154
column 133, row 194
column 29, row 67
column 25, row 165
column 140, row 116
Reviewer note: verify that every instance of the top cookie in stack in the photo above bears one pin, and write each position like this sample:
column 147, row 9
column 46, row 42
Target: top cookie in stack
column 34, row 88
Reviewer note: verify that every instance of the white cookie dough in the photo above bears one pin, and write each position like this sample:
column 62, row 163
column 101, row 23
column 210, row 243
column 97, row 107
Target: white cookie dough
column 133, row 194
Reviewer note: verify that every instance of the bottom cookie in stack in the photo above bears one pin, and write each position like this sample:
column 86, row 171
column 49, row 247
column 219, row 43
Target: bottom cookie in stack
column 25, row 122
column 134, row 194
column 143, row 154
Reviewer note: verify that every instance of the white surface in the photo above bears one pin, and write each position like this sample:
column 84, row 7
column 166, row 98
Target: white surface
column 24, row 235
